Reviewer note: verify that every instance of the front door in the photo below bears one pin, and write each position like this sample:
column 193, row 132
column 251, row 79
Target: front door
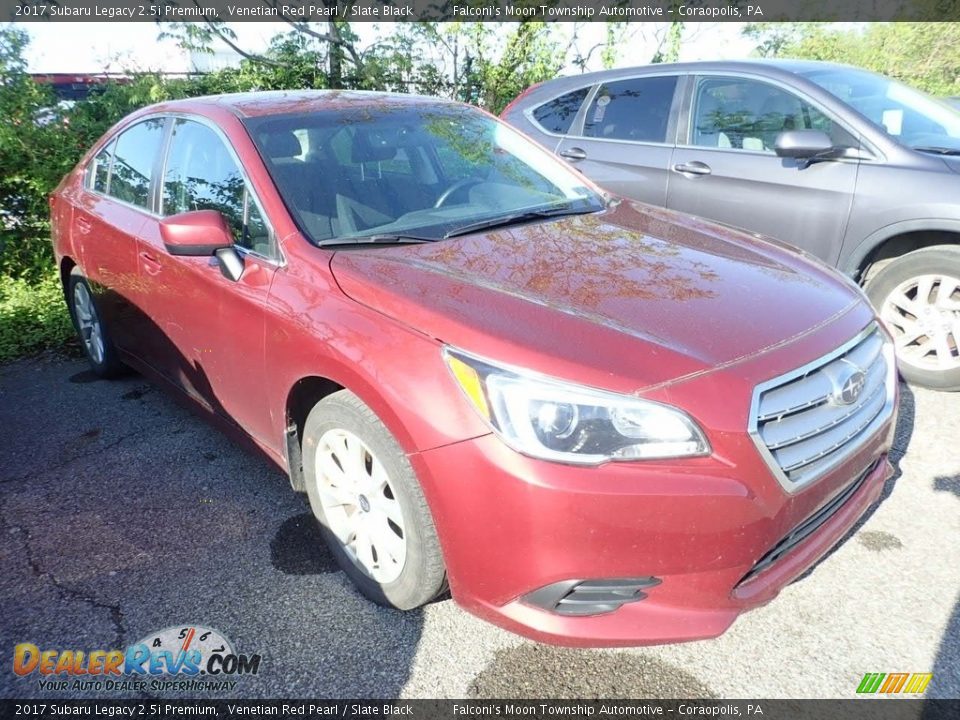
column 210, row 328
column 728, row 170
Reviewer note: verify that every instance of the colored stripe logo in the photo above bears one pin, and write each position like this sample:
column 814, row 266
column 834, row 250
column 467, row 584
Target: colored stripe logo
column 894, row 683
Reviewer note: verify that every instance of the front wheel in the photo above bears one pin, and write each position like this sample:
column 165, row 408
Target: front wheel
column 918, row 299
column 368, row 501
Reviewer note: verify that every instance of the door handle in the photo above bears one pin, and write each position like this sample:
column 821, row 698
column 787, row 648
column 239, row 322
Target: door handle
column 84, row 225
column 694, row 167
column 573, row 153
column 150, row 263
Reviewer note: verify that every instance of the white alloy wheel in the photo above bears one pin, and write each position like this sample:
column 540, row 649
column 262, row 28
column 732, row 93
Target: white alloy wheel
column 923, row 315
column 360, row 505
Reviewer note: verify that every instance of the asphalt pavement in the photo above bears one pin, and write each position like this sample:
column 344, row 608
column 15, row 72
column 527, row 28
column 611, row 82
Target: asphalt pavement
column 122, row 513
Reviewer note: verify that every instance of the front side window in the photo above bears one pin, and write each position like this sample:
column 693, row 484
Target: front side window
column 202, row 174
column 637, row 109
column 404, row 169
column 742, row 114
column 557, row 115
column 136, row 152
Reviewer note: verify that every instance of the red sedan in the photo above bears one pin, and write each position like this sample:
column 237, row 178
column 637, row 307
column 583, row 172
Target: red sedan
column 597, row 422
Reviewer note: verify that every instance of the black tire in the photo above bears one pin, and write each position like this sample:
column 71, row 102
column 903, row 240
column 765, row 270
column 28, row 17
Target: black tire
column 423, row 576
column 108, row 364
column 940, row 260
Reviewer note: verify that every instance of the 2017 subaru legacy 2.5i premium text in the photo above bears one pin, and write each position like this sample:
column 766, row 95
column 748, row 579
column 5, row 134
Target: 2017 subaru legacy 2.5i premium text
column 597, row 422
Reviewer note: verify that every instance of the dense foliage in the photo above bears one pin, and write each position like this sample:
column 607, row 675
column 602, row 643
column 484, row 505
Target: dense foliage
column 924, row 55
column 487, row 64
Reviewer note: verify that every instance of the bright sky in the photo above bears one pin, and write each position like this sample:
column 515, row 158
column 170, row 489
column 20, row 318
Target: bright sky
column 97, row 47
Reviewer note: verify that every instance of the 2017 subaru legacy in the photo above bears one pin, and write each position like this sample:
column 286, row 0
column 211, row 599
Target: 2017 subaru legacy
column 596, row 422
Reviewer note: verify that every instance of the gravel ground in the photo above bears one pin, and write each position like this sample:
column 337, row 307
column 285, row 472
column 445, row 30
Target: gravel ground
column 122, row 513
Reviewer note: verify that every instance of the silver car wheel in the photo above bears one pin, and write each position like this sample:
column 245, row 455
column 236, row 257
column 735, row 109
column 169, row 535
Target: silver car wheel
column 88, row 322
column 360, row 505
column 923, row 315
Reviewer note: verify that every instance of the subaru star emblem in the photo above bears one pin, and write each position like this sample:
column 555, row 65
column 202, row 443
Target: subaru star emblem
column 848, row 386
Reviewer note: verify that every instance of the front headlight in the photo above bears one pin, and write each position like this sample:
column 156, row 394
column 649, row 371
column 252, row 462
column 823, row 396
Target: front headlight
column 555, row 420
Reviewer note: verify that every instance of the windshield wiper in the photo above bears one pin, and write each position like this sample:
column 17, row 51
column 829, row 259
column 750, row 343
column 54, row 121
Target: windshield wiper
column 938, row 150
column 377, row 240
column 514, row 218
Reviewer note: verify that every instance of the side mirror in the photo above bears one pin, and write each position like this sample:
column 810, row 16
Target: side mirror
column 802, row 144
column 198, row 233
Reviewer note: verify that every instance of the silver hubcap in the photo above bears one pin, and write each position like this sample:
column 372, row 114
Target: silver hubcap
column 923, row 314
column 360, row 505
column 88, row 322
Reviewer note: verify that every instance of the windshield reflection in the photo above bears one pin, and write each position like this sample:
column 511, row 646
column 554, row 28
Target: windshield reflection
column 379, row 170
column 908, row 115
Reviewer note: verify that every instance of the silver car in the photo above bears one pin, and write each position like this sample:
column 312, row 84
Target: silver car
column 855, row 168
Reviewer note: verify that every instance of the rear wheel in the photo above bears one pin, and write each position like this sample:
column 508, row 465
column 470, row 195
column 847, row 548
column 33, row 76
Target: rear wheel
column 918, row 298
column 369, row 503
column 93, row 332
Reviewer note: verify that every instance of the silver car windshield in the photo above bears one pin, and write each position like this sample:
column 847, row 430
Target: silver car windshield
column 906, row 114
column 412, row 171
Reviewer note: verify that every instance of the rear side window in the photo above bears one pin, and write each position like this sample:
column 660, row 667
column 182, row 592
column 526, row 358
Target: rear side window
column 557, row 115
column 637, row 109
column 201, row 174
column 133, row 161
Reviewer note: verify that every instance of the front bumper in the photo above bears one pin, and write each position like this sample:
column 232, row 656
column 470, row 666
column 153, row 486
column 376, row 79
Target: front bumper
column 510, row 525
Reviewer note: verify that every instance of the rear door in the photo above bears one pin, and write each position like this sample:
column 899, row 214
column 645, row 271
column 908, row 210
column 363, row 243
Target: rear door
column 624, row 141
column 210, row 329
column 726, row 168
column 112, row 212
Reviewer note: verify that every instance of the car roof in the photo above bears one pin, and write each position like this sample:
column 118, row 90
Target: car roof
column 279, row 102
column 772, row 66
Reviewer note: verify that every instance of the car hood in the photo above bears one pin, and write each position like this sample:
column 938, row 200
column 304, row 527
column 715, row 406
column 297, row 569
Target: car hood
column 634, row 289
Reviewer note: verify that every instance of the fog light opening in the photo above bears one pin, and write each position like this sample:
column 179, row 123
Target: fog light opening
column 590, row 597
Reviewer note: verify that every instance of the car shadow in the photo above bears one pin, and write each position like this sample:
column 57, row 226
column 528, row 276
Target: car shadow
column 204, row 532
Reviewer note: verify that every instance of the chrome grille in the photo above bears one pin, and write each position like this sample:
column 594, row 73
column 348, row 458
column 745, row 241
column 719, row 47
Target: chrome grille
column 807, row 422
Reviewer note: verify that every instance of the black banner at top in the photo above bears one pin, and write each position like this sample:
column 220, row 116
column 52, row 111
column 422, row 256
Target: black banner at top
column 478, row 10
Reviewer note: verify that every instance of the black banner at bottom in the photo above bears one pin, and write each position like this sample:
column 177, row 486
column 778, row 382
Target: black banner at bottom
column 854, row 709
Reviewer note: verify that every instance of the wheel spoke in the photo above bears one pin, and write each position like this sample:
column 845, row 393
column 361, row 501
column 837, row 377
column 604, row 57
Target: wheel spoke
column 945, row 290
column 364, row 546
column 901, row 301
column 329, row 467
column 908, row 337
column 389, row 509
column 924, row 289
column 925, row 348
column 944, row 354
column 388, row 543
column 337, row 497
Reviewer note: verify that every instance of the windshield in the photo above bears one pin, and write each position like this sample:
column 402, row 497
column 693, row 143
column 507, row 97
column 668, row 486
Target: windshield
column 422, row 171
column 908, row 115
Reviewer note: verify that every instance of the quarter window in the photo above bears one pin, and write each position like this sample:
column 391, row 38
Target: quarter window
column 744, row 114
column 557, row 115
column 201, row 174
column 136, row 153
column 637, row 109
column 99, row 172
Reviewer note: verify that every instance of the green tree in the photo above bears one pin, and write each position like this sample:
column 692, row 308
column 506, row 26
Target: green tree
column 925, row 55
